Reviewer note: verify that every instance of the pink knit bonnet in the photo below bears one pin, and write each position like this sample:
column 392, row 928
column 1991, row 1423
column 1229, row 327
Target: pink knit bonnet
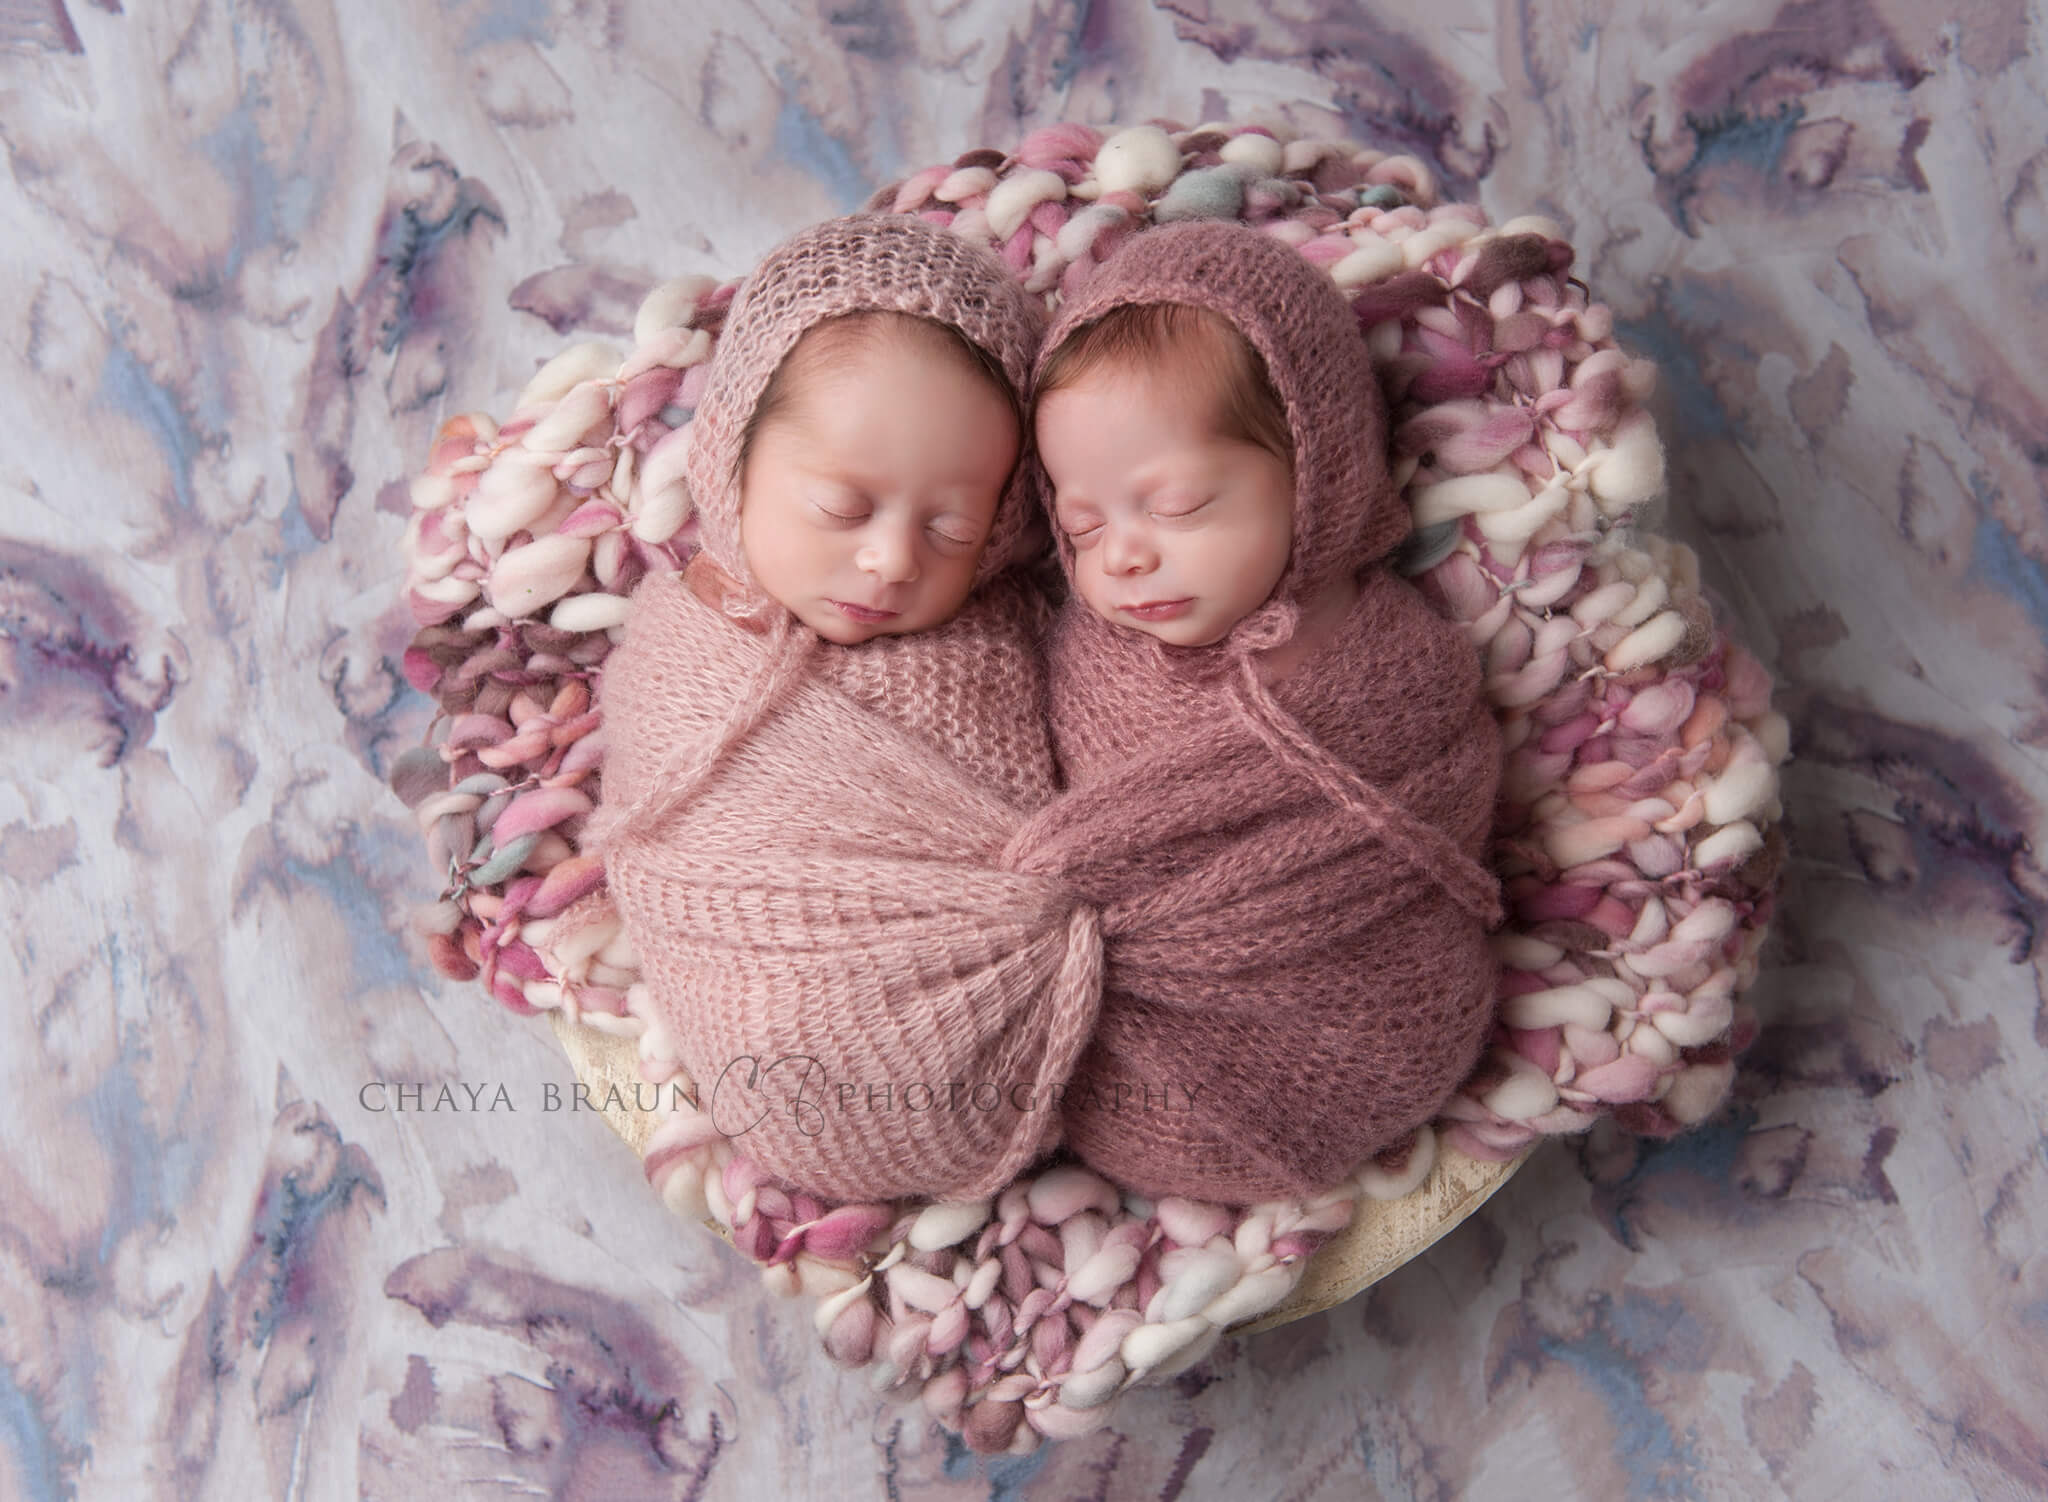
column 866, row 263
column 1347, row 511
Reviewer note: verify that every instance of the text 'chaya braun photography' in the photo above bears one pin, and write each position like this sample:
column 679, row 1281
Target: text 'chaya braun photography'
column 748, row 1090
column 464, row 1097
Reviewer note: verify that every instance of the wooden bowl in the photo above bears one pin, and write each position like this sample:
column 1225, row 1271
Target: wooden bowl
column 1383, row 1236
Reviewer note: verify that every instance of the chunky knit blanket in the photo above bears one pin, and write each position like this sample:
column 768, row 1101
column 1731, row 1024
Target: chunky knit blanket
column 1638, row 817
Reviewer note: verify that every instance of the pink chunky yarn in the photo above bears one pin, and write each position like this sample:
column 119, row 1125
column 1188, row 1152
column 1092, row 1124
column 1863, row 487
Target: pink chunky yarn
column 801, row 838
column 1295, row 909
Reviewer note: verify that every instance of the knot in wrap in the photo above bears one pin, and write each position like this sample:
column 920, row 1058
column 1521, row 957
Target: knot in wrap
column 803, row 838
column 1296, row 970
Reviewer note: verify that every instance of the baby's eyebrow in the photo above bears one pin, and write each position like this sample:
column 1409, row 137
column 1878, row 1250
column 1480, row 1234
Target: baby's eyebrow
column 1179, row 483
column 830, row 475
column 1169, row 469
column 829, row 461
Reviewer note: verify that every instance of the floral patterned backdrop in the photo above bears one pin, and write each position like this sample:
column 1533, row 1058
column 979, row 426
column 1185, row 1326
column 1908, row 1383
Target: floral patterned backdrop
column 256, row 250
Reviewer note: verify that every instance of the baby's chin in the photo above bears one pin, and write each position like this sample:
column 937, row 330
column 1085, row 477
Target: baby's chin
column 834, row 627
column 1173, row 633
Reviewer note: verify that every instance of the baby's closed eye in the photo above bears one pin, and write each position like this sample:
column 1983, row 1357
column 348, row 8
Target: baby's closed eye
column 954, row 532
column 1078, row 523
column 842, row 508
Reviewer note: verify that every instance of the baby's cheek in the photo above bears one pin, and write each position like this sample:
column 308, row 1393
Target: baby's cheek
column 1215, row 553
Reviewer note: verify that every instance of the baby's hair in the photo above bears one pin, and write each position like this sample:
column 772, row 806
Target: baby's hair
column 836, row 340
column 1176, row 339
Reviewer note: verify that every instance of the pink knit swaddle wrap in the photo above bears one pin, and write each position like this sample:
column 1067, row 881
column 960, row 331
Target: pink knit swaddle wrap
column 1296, row 956
column 805, row 839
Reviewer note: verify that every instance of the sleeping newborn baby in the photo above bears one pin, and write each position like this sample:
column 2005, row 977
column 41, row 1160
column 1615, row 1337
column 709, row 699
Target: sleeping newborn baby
column 1281, row 772
column 823, row 735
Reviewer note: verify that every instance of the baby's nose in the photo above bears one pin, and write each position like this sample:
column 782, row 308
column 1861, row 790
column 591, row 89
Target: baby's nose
column 1125, row 552
column 889, row 556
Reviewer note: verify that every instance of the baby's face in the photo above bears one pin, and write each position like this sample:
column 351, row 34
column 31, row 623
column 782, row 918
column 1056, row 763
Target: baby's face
column 1177, row 531
column 865, row 502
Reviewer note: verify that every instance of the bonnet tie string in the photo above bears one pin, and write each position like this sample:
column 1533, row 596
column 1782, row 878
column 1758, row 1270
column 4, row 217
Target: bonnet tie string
column 1423, row 847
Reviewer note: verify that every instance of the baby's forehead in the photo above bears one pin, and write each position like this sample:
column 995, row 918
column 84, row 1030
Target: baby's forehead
column 1195, row 396
column 842, row 345
column 1189, row 352
column 855, row 340
column 859, row 359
